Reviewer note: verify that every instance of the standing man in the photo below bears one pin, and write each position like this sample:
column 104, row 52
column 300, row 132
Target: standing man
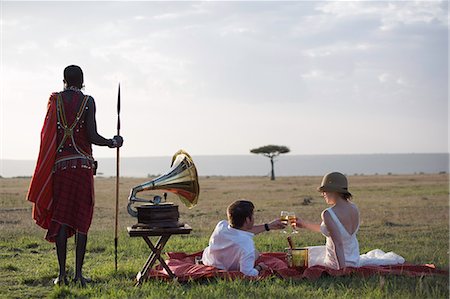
column 62, row 187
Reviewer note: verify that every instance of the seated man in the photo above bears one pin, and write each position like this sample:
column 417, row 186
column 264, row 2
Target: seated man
column 231, row 245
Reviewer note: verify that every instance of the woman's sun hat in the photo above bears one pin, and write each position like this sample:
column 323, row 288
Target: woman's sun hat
column 334, row 182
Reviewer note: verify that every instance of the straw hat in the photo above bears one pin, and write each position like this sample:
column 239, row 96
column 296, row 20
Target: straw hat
column 334, row 182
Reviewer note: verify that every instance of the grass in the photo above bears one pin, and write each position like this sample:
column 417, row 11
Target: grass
column 405, row 214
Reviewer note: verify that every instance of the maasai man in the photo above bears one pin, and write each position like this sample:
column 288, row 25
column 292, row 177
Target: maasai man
column 62, row 187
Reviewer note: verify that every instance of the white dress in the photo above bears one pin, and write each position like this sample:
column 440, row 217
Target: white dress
column 326, row 255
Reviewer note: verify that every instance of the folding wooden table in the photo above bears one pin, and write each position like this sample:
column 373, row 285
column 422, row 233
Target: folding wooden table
column 164, row 234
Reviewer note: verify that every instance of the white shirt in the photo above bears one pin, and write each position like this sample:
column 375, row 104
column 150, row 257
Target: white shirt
column 231, row 249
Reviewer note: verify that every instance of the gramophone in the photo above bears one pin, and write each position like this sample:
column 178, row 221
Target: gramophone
column 181, row 179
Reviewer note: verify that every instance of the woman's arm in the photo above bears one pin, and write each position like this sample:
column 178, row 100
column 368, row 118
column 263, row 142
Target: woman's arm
column 91, row 124
column 308, row 225
column 336, row 237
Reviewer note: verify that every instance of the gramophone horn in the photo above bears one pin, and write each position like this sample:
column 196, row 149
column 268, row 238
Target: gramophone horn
column 181, row 179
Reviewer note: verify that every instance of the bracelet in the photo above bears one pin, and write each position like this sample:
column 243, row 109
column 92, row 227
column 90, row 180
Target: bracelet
column 266, row 226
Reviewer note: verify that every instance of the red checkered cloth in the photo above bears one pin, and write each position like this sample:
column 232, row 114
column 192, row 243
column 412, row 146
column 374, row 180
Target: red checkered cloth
column 73, row 204
column 184, row 267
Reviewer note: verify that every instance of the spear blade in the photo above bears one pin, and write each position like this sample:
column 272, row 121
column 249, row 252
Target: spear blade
column 118, row 111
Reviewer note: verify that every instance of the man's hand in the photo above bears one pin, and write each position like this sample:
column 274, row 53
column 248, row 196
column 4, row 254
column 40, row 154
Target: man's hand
column 276, row 224
column 261, row 266
column 117, row 141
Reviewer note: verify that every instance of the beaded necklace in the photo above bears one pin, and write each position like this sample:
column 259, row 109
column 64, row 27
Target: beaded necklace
column 73, row 88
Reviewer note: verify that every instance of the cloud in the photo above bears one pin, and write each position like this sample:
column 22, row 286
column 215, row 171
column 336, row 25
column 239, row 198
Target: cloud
column 338, row 48
column 167, row 16
column 385, row 78
column 390, row 14
column 318, row 75
column 236, row 29
column 63, row 43
column 27, row 47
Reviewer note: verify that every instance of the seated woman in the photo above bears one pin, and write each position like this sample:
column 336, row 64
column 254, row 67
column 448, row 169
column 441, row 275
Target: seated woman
column 340, row 223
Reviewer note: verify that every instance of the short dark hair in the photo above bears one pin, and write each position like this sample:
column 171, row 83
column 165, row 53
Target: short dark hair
column 346, row 196
column 238, row 211
column 73, row 75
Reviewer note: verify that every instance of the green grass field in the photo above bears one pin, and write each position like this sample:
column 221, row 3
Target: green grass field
column 405, row 214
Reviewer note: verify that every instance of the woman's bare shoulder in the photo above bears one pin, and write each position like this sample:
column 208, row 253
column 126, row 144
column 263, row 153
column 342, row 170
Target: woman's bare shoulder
column 323, row 213
column 353, row 206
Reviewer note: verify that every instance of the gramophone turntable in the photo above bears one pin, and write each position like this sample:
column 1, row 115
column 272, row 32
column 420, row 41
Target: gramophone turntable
column 181, row 179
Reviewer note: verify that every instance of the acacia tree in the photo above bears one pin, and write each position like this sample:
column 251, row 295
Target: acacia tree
column 271, row 151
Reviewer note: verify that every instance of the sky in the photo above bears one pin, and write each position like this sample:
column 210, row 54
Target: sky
column 221, row 78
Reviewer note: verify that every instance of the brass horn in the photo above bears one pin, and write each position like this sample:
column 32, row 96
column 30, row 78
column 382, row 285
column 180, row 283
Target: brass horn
column 181, row 179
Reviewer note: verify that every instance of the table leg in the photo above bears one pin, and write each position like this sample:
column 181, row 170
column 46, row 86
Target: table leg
column 164, row 265
column 145, row 267
column 159, row 257
column 155, row 255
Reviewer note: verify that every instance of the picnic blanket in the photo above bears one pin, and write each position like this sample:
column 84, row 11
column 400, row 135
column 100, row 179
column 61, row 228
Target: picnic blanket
column 184, row 267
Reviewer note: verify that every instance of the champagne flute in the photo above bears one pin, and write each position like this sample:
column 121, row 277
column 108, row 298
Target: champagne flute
column 284, row 219
column 293, row 221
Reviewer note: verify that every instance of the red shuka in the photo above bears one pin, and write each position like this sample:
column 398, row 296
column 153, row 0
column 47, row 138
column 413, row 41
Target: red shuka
column 40, row 192
column 64, row 169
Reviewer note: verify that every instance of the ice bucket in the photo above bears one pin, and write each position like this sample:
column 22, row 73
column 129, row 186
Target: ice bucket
column 297, row 257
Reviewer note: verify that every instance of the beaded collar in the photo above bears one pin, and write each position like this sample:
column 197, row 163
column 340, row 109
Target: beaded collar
column 73, row 88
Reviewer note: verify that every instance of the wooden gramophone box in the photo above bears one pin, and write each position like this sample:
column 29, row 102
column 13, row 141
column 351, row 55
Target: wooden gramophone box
column 164, row 215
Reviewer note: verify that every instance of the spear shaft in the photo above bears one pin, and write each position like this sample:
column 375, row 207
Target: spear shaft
column 117, row 183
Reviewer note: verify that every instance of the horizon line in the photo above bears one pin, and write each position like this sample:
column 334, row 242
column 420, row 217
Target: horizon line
column 250, row 154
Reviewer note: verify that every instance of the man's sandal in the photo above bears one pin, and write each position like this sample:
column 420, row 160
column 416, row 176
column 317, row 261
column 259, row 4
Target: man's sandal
column 60, row 280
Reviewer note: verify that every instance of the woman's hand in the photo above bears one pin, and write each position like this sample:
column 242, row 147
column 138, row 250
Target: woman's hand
column 300, row 222
column 307, row 225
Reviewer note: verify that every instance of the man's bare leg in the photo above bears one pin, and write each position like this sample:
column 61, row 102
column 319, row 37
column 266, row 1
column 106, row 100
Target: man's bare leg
column 61, row 252
column 79, row 259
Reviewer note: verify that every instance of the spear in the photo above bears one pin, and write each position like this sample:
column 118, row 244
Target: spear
column 117, row 182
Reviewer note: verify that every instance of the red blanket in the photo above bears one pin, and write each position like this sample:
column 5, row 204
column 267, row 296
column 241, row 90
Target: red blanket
column 40, row 192
column 184, row 267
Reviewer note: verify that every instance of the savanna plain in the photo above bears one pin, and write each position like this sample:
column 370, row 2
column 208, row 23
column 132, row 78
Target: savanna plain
column 407, row 214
